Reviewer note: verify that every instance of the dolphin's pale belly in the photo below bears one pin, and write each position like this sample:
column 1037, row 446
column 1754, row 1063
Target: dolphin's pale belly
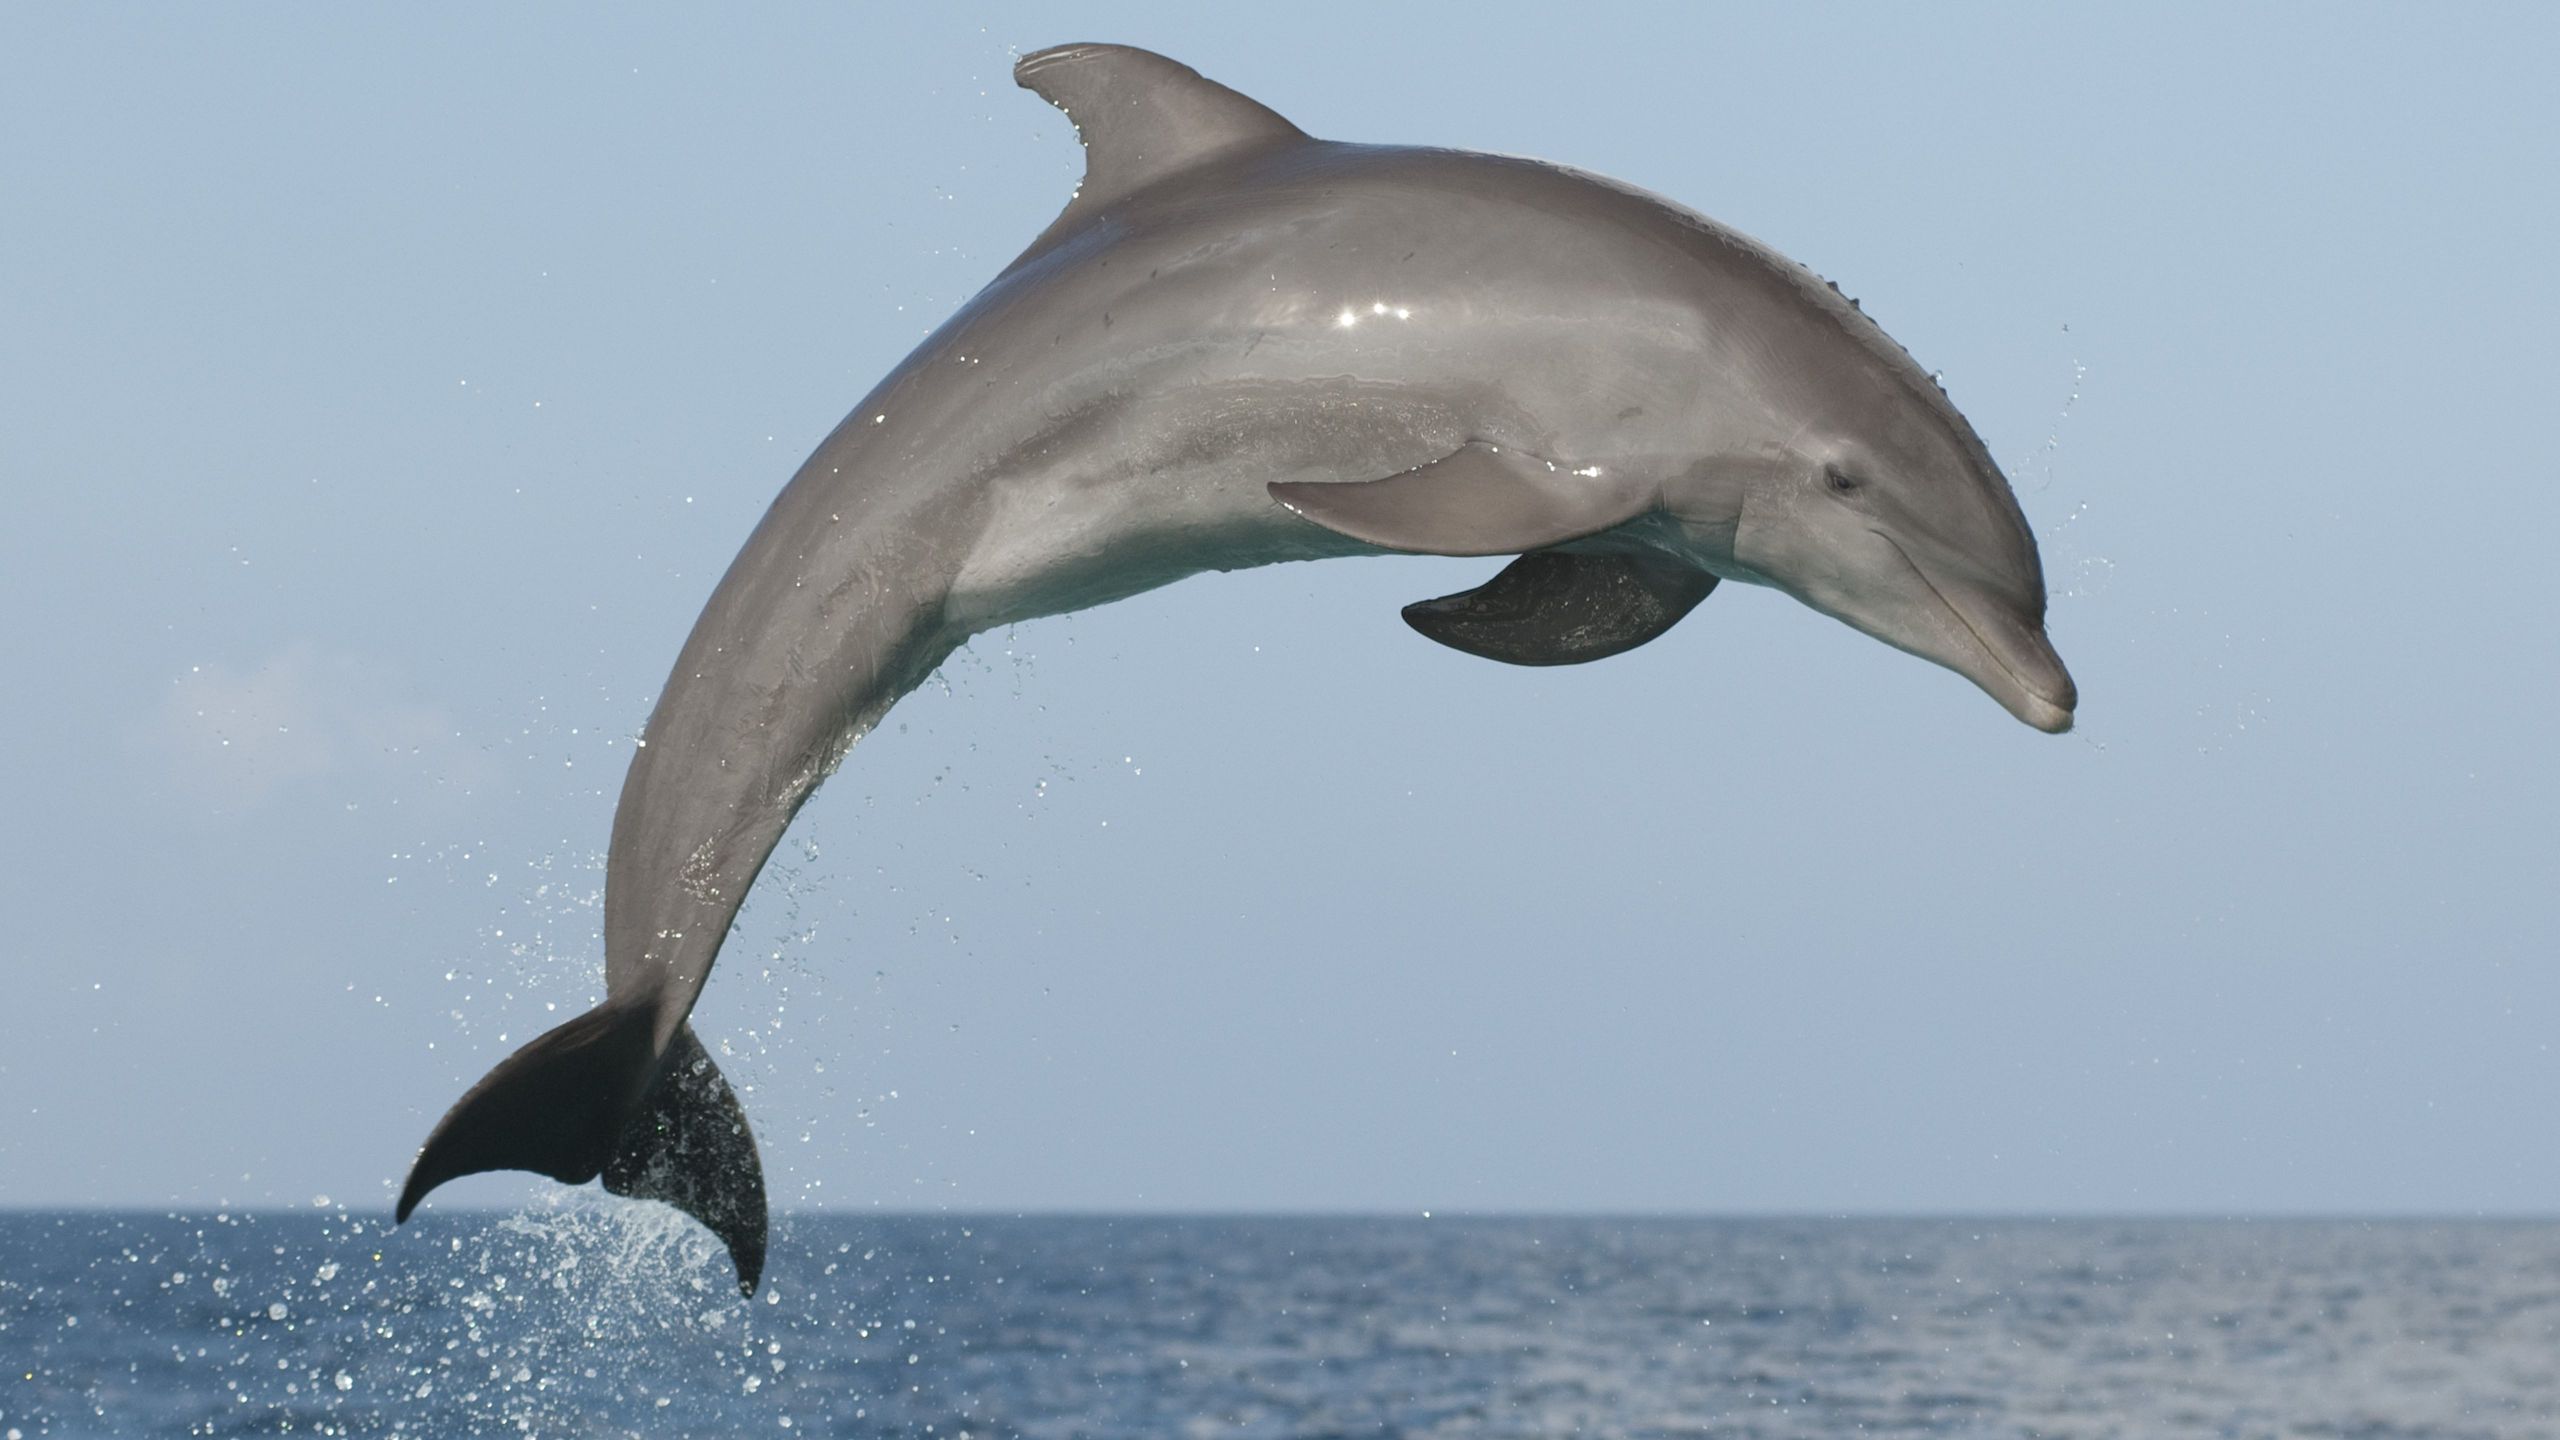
column 1141, row 492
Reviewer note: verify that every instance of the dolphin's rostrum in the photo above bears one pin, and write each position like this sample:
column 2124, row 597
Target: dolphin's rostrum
column 1241, row 345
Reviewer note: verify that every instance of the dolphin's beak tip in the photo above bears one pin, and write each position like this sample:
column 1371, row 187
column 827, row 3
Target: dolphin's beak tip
column 2050, row 703
column 2053, row 714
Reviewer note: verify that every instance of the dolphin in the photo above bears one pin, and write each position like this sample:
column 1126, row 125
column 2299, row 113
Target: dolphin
column 1239, row 345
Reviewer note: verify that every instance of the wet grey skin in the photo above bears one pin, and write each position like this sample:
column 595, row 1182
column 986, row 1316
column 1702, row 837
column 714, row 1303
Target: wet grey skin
column 1241, row 345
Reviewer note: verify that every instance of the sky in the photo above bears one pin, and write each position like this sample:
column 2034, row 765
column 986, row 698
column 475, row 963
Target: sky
column 382, row 391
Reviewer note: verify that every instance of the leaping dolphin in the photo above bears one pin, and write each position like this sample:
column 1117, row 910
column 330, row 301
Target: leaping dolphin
column 1239, row 345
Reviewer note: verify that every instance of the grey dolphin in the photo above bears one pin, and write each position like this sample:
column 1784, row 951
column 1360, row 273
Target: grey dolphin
column 1241, row 345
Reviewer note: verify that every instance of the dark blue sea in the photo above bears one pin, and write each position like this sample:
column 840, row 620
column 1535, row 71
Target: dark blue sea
column 589, row 1318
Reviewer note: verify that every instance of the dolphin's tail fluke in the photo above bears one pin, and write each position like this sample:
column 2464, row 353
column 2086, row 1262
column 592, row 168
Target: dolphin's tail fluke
column 589, row 1098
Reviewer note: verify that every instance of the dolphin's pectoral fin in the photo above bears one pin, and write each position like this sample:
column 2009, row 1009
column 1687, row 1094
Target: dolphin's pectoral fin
column 1479, row 500
column 1559, row 608
column 690, row 1147
column 553, row 1107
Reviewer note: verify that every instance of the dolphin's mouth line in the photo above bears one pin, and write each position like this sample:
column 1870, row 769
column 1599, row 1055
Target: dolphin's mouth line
column 1965, row 620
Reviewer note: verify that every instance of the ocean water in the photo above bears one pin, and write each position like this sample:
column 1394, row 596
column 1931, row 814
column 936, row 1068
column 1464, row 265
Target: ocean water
column 588, row 1317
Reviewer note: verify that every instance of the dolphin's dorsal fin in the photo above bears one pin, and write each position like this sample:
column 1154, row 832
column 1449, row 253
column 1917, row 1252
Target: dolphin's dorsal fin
column 1141, row 117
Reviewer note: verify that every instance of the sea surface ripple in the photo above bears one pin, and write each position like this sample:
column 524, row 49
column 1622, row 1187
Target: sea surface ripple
column 586, row 1317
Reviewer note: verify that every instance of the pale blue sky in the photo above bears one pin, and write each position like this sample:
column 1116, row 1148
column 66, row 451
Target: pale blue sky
column 382, row 390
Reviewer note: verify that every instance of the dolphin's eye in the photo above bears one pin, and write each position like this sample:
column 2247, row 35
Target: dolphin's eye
column 1841, row 481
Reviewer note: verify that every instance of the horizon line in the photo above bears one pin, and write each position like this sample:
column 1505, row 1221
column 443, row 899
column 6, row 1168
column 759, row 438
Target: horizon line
column 334, row 1210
